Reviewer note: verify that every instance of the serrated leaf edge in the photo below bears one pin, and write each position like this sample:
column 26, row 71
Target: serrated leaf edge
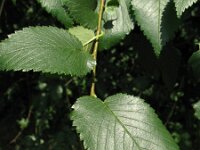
column 70, row 20
column 85, row 24
column 38, row 70
column 160, row 29
column 74, row 124
column 180, row 12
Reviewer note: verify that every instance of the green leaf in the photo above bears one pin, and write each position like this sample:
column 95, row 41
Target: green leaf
column 56, row 8
column 128, row 3
column 83, row 34
column 148, row 14
column 196, row 107
column 194, row 62
column 83, row 11
column 182, row 5
column 121, row 122
column 46, row 49
column 170, row 23
column 117, row 23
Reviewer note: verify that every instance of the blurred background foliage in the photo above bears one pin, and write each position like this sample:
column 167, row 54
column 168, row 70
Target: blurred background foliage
column 35, row 108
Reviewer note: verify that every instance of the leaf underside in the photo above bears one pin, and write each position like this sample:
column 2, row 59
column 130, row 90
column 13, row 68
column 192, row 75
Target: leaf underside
column 56, row 8
column 84, row 35
column 182, row 5
column 116, row 24
column 121, row 122
column 83, row 11
column 148, row 14
column 46, row 49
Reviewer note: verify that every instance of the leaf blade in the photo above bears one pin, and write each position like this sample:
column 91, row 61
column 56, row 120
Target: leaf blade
column 84, row 35
column 46, row 49
column 149, row 18
column 117, row 24
column 182, row 5
column 170, row 23
column 83, row 12
column 56, row 8
column 121, row 122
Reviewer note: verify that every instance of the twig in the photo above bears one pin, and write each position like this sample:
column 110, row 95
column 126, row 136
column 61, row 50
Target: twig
column 68, row 82
column 170, row 114
column 65, row 93
column 14, row 140
column 98, row 33
column 1, row 8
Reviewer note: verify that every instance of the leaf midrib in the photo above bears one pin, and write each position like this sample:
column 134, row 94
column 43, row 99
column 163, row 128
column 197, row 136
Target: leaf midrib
column 108, row 108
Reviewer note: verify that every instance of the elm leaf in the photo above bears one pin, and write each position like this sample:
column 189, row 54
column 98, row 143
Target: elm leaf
column 45, row 49
column 121, row 122
column 56, row 8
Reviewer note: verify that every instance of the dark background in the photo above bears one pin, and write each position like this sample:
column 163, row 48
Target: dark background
column 167, row 84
